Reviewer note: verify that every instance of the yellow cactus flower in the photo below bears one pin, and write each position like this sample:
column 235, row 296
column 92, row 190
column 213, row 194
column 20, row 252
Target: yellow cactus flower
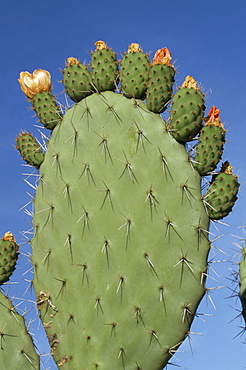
column 134, row 48
column 8, row 236
column 101, row 45
column 32, row 84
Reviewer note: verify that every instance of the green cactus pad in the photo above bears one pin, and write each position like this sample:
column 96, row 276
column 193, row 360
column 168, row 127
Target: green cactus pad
column 134, row 74
column 29, row 149
column 104, row 70
column 186, row 114
column 242, row 284
column 77, row 80
column 46, row 109
column 160, row 87
column 222, row 193
column 124, row 267
column 8, row 257
column 209, row 149
column 17, row 349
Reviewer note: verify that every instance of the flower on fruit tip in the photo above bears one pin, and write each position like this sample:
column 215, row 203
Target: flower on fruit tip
column 162, row 56
column 213, row 118
column 134, row 48
column 101, row 45
column 8, row 236
column 33, row 83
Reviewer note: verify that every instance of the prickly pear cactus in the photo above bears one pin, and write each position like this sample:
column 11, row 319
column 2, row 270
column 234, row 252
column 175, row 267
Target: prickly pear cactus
column 120, row 223
column 17, row 349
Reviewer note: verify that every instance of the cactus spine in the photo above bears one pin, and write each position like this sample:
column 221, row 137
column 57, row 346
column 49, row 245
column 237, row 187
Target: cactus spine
column 120, row 221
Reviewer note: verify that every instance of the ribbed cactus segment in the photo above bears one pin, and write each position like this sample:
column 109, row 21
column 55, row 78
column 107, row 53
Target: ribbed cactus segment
column 8, row 256
column 77, row 80
column 124, row 269
column 242, row 282
column 222, row 193
column 17, row 349
column 104, row 68
column 134, row 72
column 47, row 110
column 160, row 84
column 187, row 111
column 209, row 149
column 29, row 149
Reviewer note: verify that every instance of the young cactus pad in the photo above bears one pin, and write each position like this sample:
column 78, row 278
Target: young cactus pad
column 120, row 241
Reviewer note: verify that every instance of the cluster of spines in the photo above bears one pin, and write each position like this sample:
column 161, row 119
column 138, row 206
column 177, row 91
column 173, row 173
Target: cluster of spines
column 9, row 251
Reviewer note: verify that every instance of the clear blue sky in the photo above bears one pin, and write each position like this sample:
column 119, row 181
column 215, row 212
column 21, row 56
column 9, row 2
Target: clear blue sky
column 206, row 39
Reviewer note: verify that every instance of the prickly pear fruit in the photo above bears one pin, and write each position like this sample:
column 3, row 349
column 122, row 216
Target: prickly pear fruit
column 104, row 68
column 134, row 72
column 161, row 79
column 37, row 88
column 76, row 80
column 187, row 111
column 222, row 193
column 8, row 256
column 210, row 146
column 29, row 149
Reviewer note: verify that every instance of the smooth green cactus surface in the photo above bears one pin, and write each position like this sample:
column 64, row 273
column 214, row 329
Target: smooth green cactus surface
column 120, row 245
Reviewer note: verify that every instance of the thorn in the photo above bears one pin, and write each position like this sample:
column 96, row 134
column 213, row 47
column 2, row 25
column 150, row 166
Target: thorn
column 138, row 316
column 150, row 264
column 128, row 225
column 98, row 305
column 105, row 250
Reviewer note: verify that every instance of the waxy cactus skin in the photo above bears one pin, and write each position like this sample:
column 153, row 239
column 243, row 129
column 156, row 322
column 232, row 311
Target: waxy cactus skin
column 120, row 244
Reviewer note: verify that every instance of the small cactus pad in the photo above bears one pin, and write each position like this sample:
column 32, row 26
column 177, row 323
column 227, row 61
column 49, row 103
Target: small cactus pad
column 160, row 84
column 8, row 256
column 17, row 349
column 46, row 109
column 187, row 111
column 77, row 80
column 104, row 68
column 134, row 72
column 29, row 149
column 222, row 193
column 210, row 146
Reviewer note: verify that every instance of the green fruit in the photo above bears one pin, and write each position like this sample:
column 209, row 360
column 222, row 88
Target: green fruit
column 187, row 111
column 8, row 257
column 29, row 149
column 134, row 69
column 77, row 80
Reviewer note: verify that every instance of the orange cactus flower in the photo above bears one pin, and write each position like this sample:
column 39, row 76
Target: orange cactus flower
column 162, row 56
column 32, row 84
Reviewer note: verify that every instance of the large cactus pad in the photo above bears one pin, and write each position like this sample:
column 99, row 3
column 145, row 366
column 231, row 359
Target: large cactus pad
column 120, row 240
